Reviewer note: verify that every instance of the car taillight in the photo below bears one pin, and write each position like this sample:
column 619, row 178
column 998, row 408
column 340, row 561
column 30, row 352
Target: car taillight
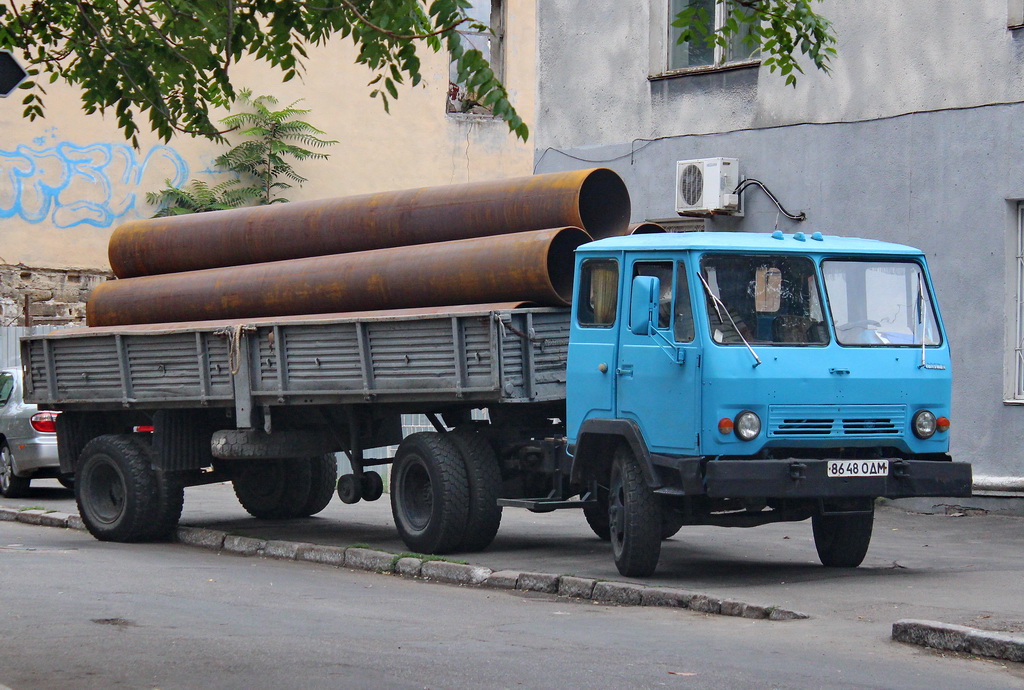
column 45, row 422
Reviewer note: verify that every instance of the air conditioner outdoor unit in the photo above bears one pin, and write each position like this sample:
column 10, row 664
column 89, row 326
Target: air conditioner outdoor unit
column 707, row 186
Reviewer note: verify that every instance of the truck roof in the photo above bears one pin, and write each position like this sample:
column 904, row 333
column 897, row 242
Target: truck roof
column 754, row 242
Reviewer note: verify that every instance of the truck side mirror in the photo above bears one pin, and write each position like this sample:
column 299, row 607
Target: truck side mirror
column 643, row 304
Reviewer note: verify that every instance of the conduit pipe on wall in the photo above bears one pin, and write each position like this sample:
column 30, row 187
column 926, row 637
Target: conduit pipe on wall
column 595, row 199
column 529, row 266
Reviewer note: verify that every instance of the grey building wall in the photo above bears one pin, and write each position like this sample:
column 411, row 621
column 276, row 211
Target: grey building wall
column 917, row 138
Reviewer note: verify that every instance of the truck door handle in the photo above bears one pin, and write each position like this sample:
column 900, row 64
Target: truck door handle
column 625, row 370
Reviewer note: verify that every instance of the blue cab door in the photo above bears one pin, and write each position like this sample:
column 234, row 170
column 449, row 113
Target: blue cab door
column 651, row 388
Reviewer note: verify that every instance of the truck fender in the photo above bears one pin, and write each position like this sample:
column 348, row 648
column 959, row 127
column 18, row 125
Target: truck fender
column 596, row 443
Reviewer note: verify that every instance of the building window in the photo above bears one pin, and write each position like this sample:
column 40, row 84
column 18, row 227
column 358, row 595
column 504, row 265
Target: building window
column 698, row 53
column 490, row 12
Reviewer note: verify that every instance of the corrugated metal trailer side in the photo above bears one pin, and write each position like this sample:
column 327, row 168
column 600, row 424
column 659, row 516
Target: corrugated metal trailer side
column 432, row 356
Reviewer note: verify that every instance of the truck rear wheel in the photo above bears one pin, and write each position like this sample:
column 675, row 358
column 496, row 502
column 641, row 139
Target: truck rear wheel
column 120, row 496
column 430, row 493
column 484, row 477
column 634, row 517
column 842, row 540
column 274, row 489
column 322, row 480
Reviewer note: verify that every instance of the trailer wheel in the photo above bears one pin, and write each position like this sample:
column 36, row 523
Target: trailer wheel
column 323, row 478
column 372, row 487
column 484, row 477
column 429, row 493
column 120, row 496
column 597, row 515
column 274, row 489
column 634, row 517
column 842, row 540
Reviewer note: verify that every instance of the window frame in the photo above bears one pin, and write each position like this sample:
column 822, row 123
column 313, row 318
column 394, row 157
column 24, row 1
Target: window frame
column 496, row 59
column 1017, row 392
column 719, row 63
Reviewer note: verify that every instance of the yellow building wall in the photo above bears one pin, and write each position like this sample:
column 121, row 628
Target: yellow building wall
column 68, row 180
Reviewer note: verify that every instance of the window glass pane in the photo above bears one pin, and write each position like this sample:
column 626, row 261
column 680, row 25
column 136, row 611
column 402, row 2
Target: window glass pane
column 683, row 330
column 460, row 99
column 6, row 386
column 739, row 49
column 765, row 300
column 879, row 303
column 599, row 293
column 690, row 54
column 662, row 270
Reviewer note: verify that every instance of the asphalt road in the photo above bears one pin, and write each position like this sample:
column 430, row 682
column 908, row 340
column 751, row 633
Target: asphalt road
column 84, row 614
column 963, row 569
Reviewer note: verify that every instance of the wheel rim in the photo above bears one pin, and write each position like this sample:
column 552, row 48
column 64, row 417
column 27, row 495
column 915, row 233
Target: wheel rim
column 617, row 511
column 6, row 469
column 417, row 495
column 104, row 485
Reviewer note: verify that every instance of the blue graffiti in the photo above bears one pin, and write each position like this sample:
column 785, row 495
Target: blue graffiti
column 71, row 185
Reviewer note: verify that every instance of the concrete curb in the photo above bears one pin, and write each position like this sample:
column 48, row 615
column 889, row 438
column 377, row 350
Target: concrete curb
column 960, row 638
column 361, row 558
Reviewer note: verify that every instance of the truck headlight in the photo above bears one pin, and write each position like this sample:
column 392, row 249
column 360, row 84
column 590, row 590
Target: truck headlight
column 748, row 425
column 924, row 424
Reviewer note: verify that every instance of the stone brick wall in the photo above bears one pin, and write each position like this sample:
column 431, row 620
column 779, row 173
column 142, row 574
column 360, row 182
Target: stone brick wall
column 55, row 296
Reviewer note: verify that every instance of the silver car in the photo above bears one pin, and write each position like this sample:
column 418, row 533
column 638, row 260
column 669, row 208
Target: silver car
column 28, row 440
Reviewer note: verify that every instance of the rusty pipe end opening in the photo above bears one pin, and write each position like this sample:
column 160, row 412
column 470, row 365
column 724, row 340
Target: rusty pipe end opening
column 561, row 260
column 646, row 228
column 604, row 204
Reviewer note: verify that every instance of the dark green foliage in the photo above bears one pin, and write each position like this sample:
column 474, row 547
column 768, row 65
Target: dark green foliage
column 170, row 60
column 779, row 28
column 260, row 162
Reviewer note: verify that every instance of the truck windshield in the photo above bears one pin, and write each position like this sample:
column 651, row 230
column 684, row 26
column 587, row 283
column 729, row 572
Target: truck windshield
column 880, row 303
column 772, row 300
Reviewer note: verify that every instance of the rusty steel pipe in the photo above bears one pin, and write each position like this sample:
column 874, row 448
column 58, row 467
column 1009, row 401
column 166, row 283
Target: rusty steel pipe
column 595, row 200
column 645, row 228
column 529, row 266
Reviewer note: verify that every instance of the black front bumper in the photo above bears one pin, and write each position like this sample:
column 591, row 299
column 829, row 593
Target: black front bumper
column 801, row 478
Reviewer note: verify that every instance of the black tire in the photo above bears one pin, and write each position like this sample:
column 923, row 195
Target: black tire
column 597, row 515
column 671, row 522
column 120, row 496
column 430, row 493
column 11, row 485
column 842, row 540
column 274, row 489
column 323, row 478
column 372, row 487
column 484, row 477
column 349, row 490
column 634, row 517
column 67, row 481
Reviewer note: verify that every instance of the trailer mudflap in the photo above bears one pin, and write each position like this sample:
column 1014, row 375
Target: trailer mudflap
column 801, row 478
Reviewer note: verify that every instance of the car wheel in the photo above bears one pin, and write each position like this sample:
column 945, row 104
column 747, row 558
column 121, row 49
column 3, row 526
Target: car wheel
column 11, row 485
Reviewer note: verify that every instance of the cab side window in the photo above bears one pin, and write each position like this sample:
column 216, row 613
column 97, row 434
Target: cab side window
column 683, row 331
column 662, row 270
column 599, row 293
column 6, row 387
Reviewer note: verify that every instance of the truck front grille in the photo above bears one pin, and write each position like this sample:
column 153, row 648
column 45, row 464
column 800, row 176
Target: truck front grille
column 823, row 421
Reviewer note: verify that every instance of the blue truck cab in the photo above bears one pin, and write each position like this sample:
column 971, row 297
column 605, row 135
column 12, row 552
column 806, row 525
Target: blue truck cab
column 739, row 379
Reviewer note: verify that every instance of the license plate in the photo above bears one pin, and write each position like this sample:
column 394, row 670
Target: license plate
column 858, row 468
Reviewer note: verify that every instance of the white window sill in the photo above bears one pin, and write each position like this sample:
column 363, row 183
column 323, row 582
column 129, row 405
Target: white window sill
column 1013, row 403
column 704, row 69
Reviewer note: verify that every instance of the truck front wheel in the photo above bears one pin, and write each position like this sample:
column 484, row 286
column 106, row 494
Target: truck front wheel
column 430, row 493
column 842, row 540
column 634, row 517
column 120, row 496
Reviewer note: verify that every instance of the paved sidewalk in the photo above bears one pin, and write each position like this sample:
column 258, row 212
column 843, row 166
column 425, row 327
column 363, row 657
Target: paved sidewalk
column 959, row 569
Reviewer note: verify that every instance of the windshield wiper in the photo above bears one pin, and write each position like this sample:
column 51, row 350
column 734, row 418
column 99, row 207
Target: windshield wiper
column 922, row 318
column 720, row 307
